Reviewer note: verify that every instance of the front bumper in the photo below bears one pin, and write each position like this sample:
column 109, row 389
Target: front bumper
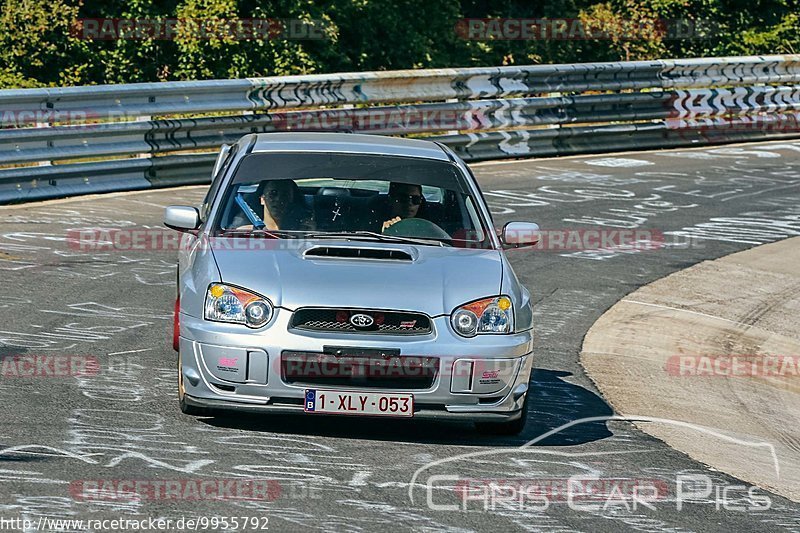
column 498, row 368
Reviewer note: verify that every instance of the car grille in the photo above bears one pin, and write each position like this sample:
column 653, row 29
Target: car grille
column 393, row 372
column 384, row 322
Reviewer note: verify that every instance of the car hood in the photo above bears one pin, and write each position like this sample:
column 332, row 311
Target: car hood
column 434, row 281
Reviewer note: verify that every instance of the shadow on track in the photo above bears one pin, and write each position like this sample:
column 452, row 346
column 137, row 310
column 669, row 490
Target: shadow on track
column 554, row 402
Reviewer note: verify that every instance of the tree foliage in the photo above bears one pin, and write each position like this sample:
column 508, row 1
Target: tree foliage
column 40, row 47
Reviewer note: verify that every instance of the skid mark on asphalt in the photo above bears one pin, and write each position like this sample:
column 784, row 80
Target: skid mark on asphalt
column 617, row 162
column 357, row 479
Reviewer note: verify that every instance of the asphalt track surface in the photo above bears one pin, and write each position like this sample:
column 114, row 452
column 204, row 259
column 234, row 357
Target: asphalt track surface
column 352, row 474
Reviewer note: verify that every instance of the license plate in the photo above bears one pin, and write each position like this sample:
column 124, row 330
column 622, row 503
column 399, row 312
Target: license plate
column 358, row 403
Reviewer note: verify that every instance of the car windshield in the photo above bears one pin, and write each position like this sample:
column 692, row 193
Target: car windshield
column 371, row 197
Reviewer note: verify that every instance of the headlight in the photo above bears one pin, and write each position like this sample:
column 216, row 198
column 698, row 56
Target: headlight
column 231, row 304
column 490, row 315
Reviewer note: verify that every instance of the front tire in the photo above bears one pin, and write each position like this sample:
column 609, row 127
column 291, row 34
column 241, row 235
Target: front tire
column 513, row 427
column 190, row 409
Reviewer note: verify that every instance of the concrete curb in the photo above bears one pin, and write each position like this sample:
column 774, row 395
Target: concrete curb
column 704, row 346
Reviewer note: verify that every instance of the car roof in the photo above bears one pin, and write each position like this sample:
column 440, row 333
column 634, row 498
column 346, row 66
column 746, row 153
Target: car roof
column 347, row 143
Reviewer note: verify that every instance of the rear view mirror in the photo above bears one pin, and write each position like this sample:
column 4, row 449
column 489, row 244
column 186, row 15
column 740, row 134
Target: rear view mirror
column 521, row 234
column 181, row 217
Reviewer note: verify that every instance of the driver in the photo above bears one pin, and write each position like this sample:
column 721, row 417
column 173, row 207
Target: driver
column 405, row 200
column 283, row 207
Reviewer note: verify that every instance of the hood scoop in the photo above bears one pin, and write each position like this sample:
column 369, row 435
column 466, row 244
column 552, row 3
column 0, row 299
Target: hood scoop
column 348, row 252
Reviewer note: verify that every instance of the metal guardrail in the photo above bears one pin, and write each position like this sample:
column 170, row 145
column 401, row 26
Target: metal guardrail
column 483, row 113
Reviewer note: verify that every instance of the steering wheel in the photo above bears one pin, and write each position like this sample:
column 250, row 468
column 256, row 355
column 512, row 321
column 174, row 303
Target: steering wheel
column 417, row 227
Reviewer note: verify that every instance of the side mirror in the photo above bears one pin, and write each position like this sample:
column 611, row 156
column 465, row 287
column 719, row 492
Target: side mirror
column 520, row 234
column 224, row 150
column 181, row 217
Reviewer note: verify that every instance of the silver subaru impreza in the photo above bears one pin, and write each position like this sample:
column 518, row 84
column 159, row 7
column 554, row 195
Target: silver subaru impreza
column 343, row 274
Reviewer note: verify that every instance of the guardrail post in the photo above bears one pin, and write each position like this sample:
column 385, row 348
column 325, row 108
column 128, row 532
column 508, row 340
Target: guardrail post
column 144, row 118
column 49, row 144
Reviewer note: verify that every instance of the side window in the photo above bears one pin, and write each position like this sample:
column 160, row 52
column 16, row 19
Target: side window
column 474, row 218
column 205, row 207
column 482, row 197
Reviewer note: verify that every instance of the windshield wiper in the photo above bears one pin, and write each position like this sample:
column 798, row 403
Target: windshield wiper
column 272, row 233
column 372, row 236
